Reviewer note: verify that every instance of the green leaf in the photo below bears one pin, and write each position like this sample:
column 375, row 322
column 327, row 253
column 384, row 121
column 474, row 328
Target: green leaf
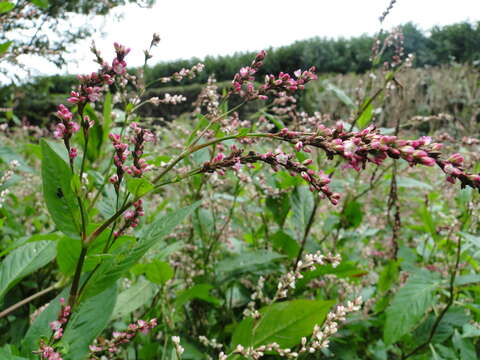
column 409, row 305
column 95, row 134
column 279, row 206
column 112, row 269
column 346, row 269
column 246, row 262
column 411, row 183
column 61, row 202
column 87, row 323
column 5, row 6
column 40, row 3
column 302, row 207
column 68, row 251
column 352, row 215
column 388, row 276
column 366, row 116
column 158, row 272
column 138, row 186
column 464, row 346
column 107, row 116
column 340, row 94
column 199, row 291
column 285, row 244
column 284, row 323
column 5, row 46
column 133, row 298
column 24, row 261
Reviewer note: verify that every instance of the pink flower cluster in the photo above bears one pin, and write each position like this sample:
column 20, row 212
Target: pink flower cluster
column 89, row 90
column 140, row 137
column 48, row 352
column 67, row 127
column 286, row 83
column 57, row 325
column 317, row 180
column 243, row 81
column 369, row 145
column 121, row 154
column 132, row 217
column 109, row 348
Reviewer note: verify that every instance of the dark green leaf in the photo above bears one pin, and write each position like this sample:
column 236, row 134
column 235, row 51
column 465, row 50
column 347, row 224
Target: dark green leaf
column 88, row 322
column 302, row 207
column 284, row 243
column 112, row 269
column 61, row 202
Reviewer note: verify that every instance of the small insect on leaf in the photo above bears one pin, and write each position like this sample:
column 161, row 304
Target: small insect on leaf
column 59, row 193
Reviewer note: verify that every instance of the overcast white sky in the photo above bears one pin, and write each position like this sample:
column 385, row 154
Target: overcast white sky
column 210, row 27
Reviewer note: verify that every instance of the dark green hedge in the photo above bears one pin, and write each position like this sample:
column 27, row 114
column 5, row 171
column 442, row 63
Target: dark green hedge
column 458, row 42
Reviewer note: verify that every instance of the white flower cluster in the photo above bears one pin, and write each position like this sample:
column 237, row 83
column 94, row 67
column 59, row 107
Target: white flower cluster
column 210, row 343
column 7, row 176
column 178, row 348
column 308, row 263
column 168, row 99
column 257, row 294
column 184, row 73
column 320, row 337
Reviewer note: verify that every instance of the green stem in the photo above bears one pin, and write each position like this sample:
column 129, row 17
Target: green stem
column 76, row 278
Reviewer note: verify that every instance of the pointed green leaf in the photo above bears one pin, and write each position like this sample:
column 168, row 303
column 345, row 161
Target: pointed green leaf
column 61, row 201
column 88, row 322
column 409, row 305
column 6, row 6
column 284, row 323
column 24, row 261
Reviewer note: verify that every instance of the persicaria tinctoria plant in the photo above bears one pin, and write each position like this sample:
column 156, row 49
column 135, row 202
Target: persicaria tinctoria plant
column 135, row 281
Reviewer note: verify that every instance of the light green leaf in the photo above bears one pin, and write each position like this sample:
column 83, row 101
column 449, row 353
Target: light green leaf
column 138, row 186
column 133, row 298
column 158, row 272
column 284, row 323
column 107, row 115
column 340, row 94
column 409, row 305
column 5, row 6
column 464, row 346
column 40, row 3
column 61, row 202
column 23, row 261
column 411, row 183
column 5, row 46
column 366, row 117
